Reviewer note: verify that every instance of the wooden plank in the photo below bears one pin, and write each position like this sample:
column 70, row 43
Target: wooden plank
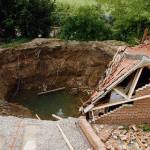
column 93, row 116
column 90, row 134
column 56, row 117
column 50, row 91
column 121, row 93
column 121, row 102
column 135, row 81
column 65, row 137
column 88, row 108
column 128, row 86
column 37, row 117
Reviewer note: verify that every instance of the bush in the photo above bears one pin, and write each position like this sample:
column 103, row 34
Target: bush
column 86, row 24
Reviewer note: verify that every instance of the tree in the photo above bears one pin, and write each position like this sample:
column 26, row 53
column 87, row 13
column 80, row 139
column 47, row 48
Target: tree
column 7, row 18
column 30, row 17
column 35, row 17
column 131, row 17
column 86, row 24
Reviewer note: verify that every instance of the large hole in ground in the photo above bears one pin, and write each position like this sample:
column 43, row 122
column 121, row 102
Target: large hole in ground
column 59, row 103
column 74, row 65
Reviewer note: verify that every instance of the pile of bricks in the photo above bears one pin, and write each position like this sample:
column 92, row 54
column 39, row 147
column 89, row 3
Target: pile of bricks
column 123, row 137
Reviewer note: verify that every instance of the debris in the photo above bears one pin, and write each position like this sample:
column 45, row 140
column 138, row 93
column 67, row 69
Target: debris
column 120, row 127
column 101, row 126
column 139, row 142
column 134, row 128
column 121, row 139
column 88, row 131
column 37, row 117
column 56, row 117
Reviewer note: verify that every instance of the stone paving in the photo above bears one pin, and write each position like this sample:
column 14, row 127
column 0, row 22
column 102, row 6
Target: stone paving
column 32, row 134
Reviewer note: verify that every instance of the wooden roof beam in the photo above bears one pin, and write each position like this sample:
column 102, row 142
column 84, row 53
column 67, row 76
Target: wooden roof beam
column 121, row 93
column 120, row 102
column 135, row 81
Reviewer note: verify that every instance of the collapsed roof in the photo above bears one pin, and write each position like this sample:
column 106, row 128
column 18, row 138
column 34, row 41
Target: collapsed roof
column 126, row 61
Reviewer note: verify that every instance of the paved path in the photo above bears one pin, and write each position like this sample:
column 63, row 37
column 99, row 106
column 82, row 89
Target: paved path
column 32, row 134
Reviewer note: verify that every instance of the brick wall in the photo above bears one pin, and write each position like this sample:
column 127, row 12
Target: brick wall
column 138, row 113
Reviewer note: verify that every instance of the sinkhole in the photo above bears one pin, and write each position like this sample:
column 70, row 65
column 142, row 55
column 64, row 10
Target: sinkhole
column 60, row 103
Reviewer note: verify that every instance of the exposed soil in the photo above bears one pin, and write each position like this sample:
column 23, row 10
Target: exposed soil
column 52, row 63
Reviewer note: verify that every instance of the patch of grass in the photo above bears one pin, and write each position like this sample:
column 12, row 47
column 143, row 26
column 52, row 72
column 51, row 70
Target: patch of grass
column 145, row 127
column 14, row 42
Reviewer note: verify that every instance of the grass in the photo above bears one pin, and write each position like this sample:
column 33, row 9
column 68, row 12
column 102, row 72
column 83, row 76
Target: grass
column 14, row 42
column 145, row 127
column 77, row 3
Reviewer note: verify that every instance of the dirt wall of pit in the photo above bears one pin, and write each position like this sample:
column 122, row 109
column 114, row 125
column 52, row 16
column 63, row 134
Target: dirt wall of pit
column 53, row 63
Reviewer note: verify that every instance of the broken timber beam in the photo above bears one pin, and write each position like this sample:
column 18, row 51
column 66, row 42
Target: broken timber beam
column 37, row 117
column 121, row 102
column 50, row 91
column 93, row 139
column 135, row 81
column 121, row 93
column 57, row 117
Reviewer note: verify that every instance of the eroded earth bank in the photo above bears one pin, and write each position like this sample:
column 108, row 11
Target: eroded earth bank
column 51, row 63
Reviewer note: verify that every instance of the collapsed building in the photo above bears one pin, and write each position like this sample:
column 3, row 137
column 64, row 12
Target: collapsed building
column 122, row 95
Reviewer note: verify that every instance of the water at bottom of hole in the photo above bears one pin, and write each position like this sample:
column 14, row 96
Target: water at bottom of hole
column 59, row 103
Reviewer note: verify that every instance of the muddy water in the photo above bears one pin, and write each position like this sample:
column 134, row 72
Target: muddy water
column 59, row 103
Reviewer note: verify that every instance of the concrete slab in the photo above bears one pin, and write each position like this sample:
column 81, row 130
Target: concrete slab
column 32, row 134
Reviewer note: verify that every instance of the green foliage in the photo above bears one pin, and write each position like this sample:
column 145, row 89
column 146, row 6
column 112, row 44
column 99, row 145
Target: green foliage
column 30, row 17
column 65, row 8
column 86, row 24
column 35, row 17
column 79, row 20
column 7, row 17
column 145, row 127
column 131, row 17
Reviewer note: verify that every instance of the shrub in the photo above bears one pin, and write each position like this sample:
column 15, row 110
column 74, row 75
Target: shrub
column 86, row 24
